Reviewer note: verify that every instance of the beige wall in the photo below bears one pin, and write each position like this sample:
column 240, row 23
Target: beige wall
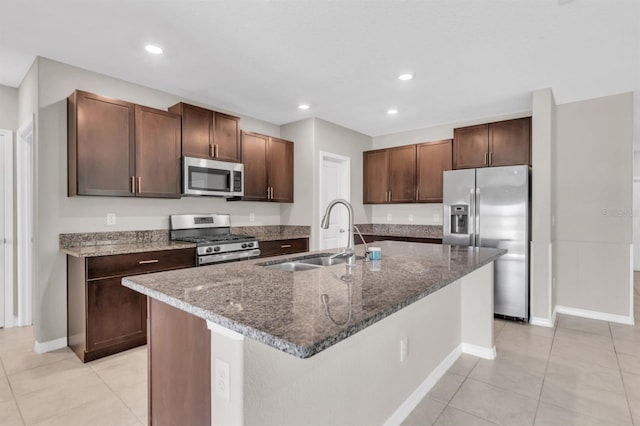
column 314, row 135
column 57, row 213
column 8, row 108
column 594, row 172
column 542, row 295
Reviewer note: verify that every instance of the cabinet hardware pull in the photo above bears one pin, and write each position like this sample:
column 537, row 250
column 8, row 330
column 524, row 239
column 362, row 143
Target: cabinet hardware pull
column 490, row 155
column 486, row 163
column 133, row 184
column 142, row 262
column 285, row 246
column 215, row 150
column 389, row 196
column 211, row 150
column 417, row 194
column 139, row 181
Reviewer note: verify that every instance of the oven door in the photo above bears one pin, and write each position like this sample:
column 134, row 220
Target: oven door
column 209, row 177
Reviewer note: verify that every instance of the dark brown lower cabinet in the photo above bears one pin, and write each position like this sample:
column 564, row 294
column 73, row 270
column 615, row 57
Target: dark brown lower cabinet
column 179, row 367
column 280, row 247
column 373, row 238
column 104, row 317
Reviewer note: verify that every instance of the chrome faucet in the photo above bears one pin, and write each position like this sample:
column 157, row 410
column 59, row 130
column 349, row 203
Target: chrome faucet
column 349, row 251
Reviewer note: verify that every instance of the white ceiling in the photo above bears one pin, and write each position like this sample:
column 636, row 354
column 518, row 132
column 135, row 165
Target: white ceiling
column 261, row 58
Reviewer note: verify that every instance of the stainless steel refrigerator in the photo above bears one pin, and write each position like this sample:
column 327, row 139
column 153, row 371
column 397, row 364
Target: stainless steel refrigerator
column 491, row 207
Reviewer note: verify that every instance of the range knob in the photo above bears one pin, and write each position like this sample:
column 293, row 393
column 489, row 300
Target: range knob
column 209, row 249
column 249, row 244
column 244, row 245
column 217, row 248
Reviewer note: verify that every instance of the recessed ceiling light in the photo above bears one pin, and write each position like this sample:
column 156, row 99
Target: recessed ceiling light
column 151, row 48
column 405, row 76
column 392, row 111
column 304, row 106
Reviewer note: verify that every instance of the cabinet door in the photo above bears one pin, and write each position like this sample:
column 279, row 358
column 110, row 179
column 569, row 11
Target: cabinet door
column 226, row 137
column 375, row 165
column 433, row 159
column 510, row 142
column 402, row 174
column 115, row 314
column 197, row 128
column 280, row 170
column 101, row 145
column 471, row 147
column 157, row 153
column 254, row 158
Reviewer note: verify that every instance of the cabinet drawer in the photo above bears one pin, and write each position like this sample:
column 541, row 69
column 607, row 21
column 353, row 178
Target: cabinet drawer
column 279, row 247
column 139, row 263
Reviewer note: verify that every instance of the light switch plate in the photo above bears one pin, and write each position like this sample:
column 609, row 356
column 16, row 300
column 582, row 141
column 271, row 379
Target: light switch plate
column 111, row 219
column 252, row 217
column 389, row 217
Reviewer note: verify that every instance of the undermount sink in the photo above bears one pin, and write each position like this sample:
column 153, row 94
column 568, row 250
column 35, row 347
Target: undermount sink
column 305, row 263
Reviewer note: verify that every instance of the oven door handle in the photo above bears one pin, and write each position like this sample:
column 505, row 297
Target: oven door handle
column 225, row 257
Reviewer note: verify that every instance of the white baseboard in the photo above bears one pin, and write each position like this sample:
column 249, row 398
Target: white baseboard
column 542, row 322
column 622, row 319
column 414, row 399
column 49, row 346
column 479, row 351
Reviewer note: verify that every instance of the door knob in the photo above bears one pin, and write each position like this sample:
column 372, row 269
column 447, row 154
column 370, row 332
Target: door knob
column 342, row 231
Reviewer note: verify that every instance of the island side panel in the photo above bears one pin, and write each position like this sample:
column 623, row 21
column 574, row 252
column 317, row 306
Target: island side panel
column 179, row 352
column 360, row 380
column 477, row 313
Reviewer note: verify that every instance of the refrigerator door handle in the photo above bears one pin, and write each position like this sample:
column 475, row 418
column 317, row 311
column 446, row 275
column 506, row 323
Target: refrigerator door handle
column 477, row 221
column 472, row 215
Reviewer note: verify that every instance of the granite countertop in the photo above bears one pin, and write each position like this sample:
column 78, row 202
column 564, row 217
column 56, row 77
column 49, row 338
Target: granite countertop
column 123, row 248
column 285, row 309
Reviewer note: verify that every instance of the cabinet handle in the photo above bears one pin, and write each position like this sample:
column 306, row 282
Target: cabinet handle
column 490, row 159
column 486, row 163
column 211, row 150
column 417, row 194
column 133, row 184
column 142, row 262
column 285, row 246
column 215, row 150
column 389, row 196
column 139, row 181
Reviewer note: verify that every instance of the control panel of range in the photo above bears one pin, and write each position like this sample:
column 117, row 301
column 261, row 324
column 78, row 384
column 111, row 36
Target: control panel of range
column 227, row 247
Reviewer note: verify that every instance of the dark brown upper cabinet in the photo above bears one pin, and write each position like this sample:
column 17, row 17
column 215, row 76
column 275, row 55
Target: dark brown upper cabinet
column 117, row 148
column 433, row 158
column 503, row 143
column 208, row 134
column 389, row 175
column 268, row 168
column 157, row 153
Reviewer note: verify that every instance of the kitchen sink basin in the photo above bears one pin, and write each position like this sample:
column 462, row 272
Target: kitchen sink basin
column 305, row 263
column 291, row 266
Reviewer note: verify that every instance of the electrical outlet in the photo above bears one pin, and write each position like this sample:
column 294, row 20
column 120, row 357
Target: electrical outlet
column 436, row 217
column 410, row 218
column 252, row 217
column 222, row 379
column 111, row 219
column 389, row 217
column 404, row 348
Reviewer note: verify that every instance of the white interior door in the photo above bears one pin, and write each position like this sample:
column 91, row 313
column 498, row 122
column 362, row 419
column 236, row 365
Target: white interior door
column 25, row 220
column 6, row 228
column 335, row 182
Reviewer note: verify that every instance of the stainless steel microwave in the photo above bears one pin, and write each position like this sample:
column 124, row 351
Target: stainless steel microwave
column 210, row 177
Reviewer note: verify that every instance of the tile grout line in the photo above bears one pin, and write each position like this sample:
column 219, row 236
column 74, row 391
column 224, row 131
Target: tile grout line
column 116, row 394
column 624, row 386
column 13, row 394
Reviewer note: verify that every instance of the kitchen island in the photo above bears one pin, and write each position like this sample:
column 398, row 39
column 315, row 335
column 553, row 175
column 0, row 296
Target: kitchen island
column 241, row 343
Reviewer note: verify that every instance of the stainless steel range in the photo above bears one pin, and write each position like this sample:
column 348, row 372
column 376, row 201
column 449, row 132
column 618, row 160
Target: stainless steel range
column 213, row 237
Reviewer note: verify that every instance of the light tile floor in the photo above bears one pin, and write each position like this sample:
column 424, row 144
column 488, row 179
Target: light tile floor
column 583, row 372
